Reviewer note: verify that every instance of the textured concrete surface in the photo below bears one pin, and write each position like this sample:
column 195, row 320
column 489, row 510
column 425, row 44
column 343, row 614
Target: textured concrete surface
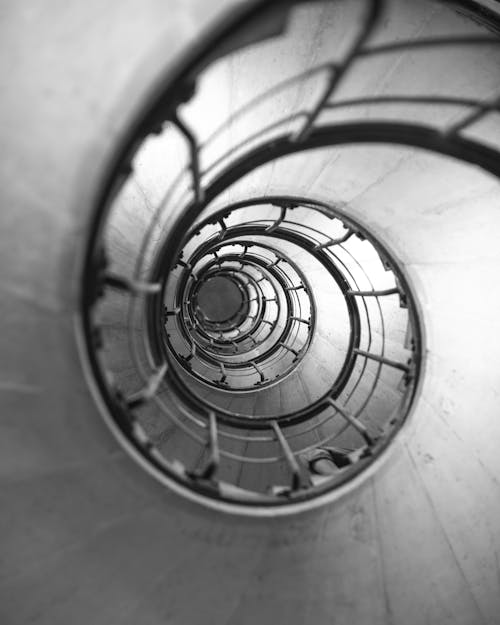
column 87, row 536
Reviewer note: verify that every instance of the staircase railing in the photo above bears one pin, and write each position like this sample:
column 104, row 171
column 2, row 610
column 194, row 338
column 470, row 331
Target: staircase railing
column 220, row 387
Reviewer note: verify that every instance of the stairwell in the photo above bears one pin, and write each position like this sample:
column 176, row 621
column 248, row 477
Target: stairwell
column 249, row 277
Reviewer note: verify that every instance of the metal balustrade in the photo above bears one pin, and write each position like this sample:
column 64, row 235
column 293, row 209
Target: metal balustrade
column 265, row 333
column 219, row 384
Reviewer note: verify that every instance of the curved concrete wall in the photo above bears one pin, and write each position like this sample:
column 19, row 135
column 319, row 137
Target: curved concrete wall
column 87, row 536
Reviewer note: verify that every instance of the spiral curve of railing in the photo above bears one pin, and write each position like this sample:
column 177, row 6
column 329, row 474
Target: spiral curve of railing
column 266, row 332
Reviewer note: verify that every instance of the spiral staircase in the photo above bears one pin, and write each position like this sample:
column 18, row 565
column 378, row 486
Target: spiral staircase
column 250, row 292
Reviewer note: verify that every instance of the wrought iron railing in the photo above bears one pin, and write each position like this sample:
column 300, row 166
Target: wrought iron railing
column 268, row 337
column 205, row 400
